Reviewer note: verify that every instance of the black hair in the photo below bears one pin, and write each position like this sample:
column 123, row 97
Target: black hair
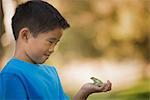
column 38, row 16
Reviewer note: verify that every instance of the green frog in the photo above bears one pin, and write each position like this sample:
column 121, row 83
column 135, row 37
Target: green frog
column 96, row 81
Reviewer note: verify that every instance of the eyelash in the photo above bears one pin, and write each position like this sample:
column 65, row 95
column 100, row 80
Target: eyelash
column 53, row 42
column 50, row 42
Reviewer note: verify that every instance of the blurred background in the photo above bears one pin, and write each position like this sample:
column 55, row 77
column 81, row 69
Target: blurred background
column 108, row 39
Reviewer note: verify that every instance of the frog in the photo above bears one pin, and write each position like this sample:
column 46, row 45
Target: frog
column 97, row 81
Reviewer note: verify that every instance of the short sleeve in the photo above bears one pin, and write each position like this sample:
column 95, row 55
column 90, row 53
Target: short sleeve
column 63, row 95
column 11, row 88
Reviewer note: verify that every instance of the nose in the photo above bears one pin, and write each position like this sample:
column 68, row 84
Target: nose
column 51, row 49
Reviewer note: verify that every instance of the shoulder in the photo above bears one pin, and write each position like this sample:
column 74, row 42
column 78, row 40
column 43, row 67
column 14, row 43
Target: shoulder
column 10, row 68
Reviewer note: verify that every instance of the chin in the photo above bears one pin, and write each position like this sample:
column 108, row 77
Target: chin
column 43, row 61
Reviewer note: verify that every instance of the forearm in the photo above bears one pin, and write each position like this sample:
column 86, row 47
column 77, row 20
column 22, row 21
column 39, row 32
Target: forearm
column 81, row 95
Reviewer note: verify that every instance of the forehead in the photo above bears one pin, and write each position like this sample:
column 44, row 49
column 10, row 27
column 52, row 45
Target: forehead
column 54, row 34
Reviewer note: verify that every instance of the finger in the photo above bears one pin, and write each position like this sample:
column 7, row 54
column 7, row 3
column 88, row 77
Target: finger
column 106, row 87
column 109, row 85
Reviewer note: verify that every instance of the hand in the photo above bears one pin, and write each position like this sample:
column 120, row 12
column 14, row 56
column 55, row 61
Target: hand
column 90, row 88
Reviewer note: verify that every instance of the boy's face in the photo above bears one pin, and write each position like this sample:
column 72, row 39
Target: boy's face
column 39, row 48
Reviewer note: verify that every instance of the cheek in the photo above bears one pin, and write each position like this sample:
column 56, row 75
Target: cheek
column 38, row 48
column 41, row 49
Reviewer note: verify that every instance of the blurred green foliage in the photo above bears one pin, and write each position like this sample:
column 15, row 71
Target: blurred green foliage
column 116, row 29
column 106, row 28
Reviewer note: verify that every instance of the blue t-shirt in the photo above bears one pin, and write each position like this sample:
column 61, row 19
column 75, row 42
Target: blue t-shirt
column 20, row 80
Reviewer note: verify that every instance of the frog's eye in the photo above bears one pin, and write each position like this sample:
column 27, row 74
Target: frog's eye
column 92, row 78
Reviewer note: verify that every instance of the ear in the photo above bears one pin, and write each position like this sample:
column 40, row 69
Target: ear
column 25, row 34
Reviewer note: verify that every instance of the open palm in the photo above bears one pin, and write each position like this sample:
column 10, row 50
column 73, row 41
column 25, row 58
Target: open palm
column 91, row 88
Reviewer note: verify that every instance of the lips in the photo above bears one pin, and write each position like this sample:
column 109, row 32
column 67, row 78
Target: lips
column 46, row 56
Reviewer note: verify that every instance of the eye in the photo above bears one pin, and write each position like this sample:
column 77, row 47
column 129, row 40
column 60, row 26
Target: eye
column 53, row 42
column 50, row 42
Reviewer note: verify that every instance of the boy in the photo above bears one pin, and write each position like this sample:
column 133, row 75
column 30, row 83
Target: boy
column 37, row 28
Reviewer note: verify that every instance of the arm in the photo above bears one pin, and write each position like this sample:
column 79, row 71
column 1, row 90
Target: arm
column 90, row 88
column 81, row 95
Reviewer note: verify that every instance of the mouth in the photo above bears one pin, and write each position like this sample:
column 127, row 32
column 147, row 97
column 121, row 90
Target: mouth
column 47, row 56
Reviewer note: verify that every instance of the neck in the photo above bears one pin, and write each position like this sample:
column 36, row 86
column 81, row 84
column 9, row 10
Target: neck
column 21, row 54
